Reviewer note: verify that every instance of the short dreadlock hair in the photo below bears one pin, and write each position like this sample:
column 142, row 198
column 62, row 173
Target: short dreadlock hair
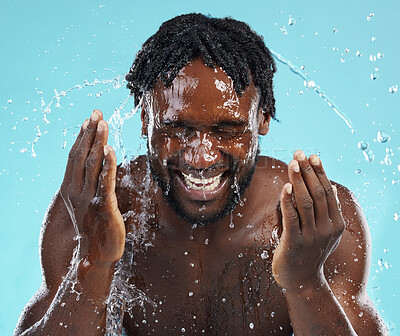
column 228, row 43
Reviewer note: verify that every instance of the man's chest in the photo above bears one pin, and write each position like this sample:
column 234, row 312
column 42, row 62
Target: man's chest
column 180, row 289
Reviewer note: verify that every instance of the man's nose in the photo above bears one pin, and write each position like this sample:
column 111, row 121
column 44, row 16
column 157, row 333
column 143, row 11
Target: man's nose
column 201, row 151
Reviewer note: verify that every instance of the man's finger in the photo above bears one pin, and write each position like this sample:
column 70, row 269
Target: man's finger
column 304, row 202
column 83, row 150
column 290, row 217
column 94, row 161
column 107, row 177
column 314, row 187
column 334, row 211
column 72, row 153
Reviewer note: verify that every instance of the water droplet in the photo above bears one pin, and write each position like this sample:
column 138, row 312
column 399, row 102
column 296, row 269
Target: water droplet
column 370, row 16
column 292, row 21
column 190, row 293
column 300, row 92
column 396, row 216
column 284, row 30
column 382, row 137
column 251, row 325
column 358, row 53
column 358, row 171
column 363, row 145
column 183, row 329
column 375, row 74
column 335, row 30
column 369, row 155
column 9, row 101
column 391, row 326
column 387, row 160
column 372, row 58
column 393, row 89
column 394, row 181
column 264, row 254
column 309, row 84
column 373, row 39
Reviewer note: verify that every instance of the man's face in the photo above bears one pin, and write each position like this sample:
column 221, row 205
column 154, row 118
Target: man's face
column 202, row 140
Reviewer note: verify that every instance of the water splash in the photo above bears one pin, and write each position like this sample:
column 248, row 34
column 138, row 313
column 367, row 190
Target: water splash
column 124, row 294
column 55, row 101
column 295, row 69
column 116, row 122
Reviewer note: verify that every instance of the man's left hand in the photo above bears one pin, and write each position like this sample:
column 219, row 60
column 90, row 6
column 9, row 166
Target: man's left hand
column 312, row 224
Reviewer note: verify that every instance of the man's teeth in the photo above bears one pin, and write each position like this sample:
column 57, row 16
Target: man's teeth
column 202, row 183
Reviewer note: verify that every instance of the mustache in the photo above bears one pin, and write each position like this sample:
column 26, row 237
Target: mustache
column 216, row 166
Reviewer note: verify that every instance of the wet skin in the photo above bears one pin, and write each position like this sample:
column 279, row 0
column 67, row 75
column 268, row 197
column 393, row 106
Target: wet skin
column 292, row 230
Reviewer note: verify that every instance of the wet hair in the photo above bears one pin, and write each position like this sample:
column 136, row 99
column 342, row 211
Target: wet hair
column 227, row 43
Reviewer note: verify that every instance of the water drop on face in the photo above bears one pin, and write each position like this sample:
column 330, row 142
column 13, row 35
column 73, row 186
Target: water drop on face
column 382, row 137
column 284, row 30
column 358, row 171
column 264, row 255
column 396, row 216
column 370, row 16
column 190, row 293
column 335, row 30
column 358, row 54
column 292, row 21
column 251, row 325
column 9, row 101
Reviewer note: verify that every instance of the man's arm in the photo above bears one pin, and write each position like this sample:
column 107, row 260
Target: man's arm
column 347, row 269
column 72, row 299
column 312, row 228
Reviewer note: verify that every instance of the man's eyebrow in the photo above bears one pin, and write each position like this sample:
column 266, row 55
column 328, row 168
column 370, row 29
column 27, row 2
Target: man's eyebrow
column 170, row 122
column 232, row 122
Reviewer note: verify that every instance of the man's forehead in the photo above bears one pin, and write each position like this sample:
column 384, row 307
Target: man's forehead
column 204, row 87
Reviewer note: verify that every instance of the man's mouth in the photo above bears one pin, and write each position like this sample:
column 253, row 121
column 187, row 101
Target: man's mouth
column 206, row 184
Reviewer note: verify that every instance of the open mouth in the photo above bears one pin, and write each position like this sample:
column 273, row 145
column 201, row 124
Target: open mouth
column 207, row 184
column 200, row 188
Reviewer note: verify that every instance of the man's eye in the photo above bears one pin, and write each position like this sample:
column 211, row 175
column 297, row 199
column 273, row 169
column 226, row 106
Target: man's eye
column 230, row 130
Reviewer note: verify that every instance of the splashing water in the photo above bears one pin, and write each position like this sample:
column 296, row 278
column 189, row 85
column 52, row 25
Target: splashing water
column 311, row 84
column 124, row 295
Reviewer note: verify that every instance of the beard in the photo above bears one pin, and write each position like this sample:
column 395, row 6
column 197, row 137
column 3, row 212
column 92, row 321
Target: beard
column 233, row 199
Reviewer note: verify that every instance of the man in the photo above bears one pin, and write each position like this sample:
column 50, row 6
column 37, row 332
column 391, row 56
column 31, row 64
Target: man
column 201, row 235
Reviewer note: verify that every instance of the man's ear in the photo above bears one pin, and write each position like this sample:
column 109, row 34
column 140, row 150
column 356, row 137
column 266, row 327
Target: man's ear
column 264, row 120
column 144, row 116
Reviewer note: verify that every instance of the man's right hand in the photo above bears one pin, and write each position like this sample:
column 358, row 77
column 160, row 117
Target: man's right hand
column 88, row 191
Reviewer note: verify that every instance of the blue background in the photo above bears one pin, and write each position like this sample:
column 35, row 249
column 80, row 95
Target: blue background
column 84, row 49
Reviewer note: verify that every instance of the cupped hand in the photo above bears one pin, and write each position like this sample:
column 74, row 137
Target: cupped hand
column 312, row 224
column 88, row 191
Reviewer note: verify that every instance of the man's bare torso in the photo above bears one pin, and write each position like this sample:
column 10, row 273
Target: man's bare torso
column 211, row 280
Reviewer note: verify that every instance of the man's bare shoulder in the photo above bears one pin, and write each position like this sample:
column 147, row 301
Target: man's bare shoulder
column 269, row 177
